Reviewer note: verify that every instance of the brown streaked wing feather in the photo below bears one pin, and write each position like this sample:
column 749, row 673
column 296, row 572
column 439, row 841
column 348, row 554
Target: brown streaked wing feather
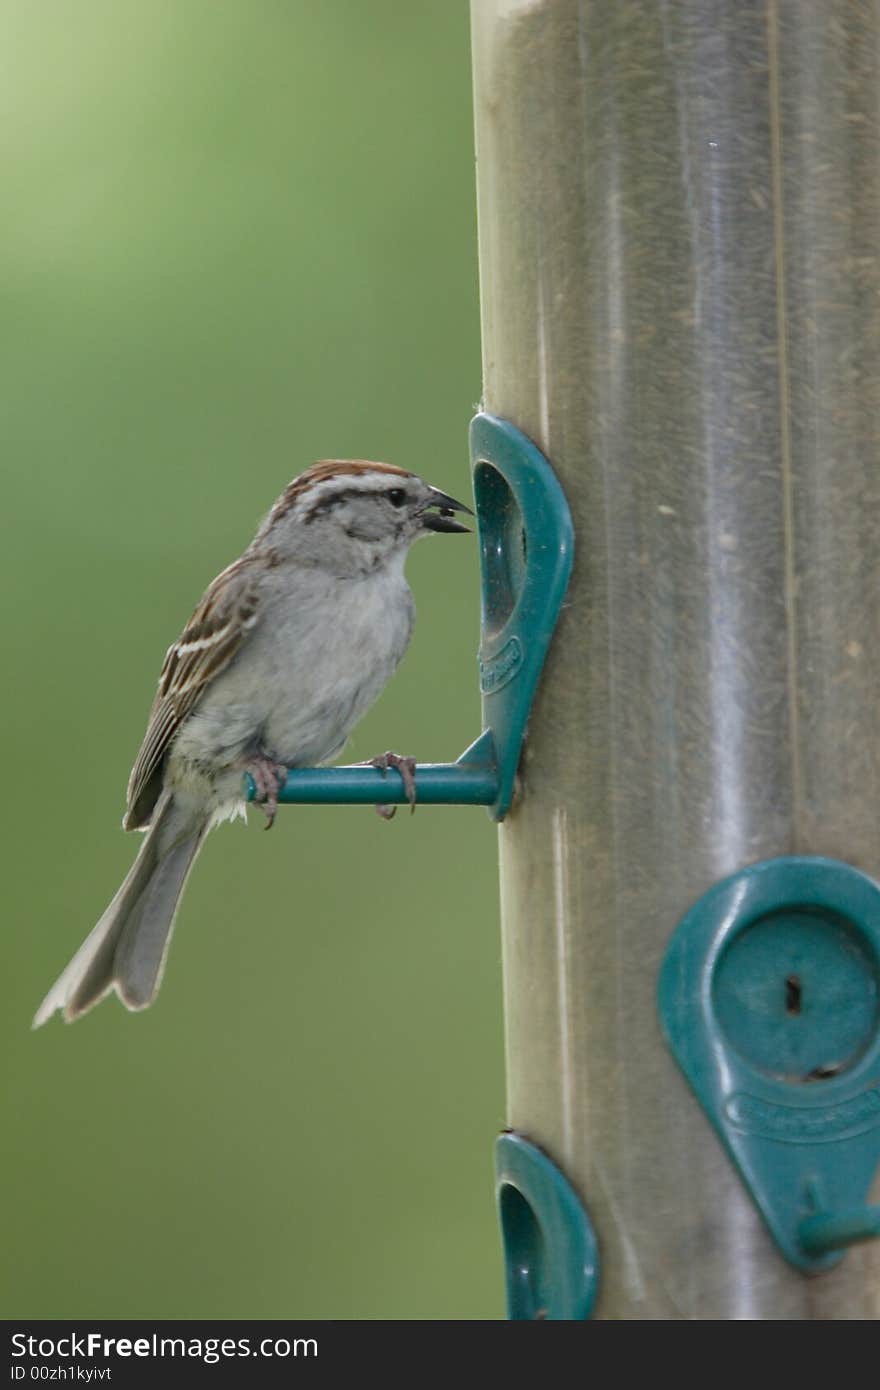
column 214, row 633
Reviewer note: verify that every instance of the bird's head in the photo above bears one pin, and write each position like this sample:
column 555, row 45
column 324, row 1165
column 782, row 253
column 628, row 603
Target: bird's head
column 367, row 512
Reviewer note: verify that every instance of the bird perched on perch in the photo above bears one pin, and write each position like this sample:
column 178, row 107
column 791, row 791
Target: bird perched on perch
column 285, row 652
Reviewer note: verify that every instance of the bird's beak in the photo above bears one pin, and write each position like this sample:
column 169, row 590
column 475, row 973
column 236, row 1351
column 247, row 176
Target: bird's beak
column 442, row 520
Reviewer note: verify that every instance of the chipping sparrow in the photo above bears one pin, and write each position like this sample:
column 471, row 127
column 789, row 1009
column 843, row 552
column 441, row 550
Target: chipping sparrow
column 287, row 649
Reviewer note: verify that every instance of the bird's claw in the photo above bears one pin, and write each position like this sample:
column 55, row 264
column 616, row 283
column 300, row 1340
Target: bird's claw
column 268, row 779
column 407, row 769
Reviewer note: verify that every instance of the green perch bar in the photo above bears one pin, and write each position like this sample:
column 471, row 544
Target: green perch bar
column 472, row 781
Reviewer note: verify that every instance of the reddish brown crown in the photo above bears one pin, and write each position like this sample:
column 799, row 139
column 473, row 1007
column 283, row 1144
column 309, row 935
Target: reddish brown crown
column 329, row 468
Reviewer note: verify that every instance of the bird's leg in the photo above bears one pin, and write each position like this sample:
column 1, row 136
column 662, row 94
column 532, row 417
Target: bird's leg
column 268, row 778
column 407, row 769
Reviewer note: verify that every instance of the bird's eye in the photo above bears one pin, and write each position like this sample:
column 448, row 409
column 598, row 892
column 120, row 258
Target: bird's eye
column 396, row 496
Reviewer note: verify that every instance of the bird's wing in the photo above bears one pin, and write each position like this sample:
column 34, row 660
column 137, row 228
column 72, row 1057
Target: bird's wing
column 225, row 615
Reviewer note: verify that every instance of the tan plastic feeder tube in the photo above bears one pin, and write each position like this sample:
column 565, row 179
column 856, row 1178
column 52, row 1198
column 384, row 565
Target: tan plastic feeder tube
column 679, row 208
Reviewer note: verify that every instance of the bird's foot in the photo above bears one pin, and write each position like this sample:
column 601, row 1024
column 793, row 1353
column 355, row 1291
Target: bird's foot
column 268, row 779
column 407, row 769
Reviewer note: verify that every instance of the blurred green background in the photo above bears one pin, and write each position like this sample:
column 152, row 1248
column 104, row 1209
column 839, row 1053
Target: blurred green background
column 237, row 237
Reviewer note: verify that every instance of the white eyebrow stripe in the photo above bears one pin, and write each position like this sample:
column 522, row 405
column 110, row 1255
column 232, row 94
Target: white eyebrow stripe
column 317, row 493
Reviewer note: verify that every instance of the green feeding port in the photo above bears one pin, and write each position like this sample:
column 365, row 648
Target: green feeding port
column 768, row 997
column 526, row 552
column 551, row 1257
column 796, row 994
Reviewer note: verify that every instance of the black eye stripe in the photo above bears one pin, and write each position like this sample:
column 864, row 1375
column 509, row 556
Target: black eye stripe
column 344, row 494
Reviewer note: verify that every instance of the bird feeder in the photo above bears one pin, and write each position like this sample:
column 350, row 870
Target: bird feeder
column 679, row 220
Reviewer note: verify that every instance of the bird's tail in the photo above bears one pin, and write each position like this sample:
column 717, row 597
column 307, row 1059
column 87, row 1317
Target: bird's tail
column 126, row 951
